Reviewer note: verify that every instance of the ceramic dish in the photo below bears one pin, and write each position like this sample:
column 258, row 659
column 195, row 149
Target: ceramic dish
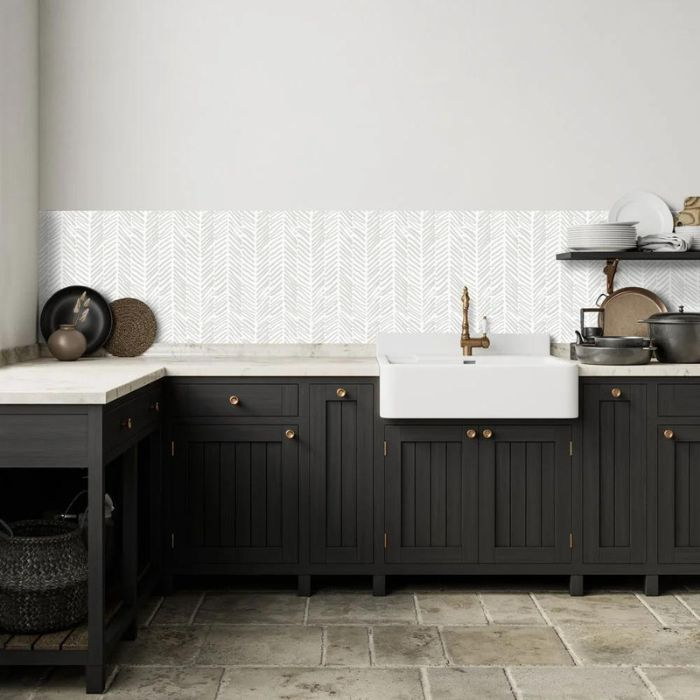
column 648, row 209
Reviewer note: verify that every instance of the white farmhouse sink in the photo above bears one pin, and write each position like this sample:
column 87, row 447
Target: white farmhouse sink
column 426, row 376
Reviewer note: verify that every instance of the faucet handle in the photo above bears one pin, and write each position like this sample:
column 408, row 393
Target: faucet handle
column 484, row 325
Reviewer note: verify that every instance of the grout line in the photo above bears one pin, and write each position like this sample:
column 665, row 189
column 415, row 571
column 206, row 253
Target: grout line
column 649, row 685
column 157, row 607
column 658, row 617
column 574, row 656
column 196, row 609
column 517, row 693
column 425, row 683
column 372, row 654
column 306, row 611
column 111, row 678
column 487, row 614
column 419, row 615
column 687, row 607
column 324, row 645
column 541, row 610
column 448, row 661
column 218, row 685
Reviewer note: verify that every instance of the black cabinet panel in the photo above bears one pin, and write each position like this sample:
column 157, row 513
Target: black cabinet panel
column 341, row 474
column 679, row 400
column 239, row 400
column 614, row 473
column 236, row 494
column 525, row 494
column 430, row 494
column 679, row 493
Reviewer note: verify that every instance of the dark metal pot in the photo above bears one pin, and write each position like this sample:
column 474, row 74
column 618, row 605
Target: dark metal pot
column 676, row 336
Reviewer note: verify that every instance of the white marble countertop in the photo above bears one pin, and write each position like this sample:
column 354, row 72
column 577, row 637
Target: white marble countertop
column 99, row 380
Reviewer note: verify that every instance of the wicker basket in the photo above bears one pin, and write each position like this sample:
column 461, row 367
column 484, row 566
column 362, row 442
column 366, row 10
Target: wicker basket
column 43, row 577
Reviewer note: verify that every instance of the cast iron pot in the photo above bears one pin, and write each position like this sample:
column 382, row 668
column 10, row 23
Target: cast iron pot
column 676, row 336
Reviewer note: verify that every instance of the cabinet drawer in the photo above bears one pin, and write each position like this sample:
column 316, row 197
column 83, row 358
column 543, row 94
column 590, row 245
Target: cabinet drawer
column 136, row 416
column 679, row 400
column 237, row 400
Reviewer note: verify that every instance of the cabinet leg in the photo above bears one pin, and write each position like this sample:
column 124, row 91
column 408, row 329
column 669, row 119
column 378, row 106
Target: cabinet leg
column 576, row 585
column 304, row 585
column 379, row 585
column 95, row 679
column 651, row 585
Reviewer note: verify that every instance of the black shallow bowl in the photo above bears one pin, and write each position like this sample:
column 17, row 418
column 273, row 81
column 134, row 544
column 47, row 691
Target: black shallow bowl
column 59, row 309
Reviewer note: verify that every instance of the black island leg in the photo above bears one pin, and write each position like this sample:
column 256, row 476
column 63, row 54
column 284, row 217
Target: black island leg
column 576, row 585
column 651, row 585
column 379, row 585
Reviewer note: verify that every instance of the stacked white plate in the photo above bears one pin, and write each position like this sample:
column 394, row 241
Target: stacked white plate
column 621, row 235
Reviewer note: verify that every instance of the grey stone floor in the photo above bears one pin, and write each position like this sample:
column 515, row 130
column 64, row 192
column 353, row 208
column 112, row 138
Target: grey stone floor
column 418, row 642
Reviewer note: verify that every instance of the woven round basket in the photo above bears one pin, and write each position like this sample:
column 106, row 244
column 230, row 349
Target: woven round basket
column 134, row 328
column 43, row 577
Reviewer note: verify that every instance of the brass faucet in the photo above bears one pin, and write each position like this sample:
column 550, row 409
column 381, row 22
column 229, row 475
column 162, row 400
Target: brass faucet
column 465, row 340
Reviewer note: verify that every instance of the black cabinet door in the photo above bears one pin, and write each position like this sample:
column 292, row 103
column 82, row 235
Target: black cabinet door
column 679, row 493
column 236, row 494
column 525, row 494
column 431, row 495
column 340, row 495
column 614, row 473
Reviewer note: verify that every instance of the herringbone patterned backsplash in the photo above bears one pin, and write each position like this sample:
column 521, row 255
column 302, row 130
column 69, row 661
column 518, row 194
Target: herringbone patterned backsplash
column 338, row 276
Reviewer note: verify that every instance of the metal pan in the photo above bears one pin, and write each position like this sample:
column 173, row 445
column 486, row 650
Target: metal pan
column 594, row 355
column 621, row 341
column 623, row 309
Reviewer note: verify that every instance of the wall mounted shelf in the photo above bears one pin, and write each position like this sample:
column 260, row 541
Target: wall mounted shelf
column 628, row 255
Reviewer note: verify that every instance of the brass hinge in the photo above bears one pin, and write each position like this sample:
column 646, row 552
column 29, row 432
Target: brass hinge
column 571, row 540
column 172, row 540
column 386, row 541
column 385, row 448
column 172, row 448
column 571, row 448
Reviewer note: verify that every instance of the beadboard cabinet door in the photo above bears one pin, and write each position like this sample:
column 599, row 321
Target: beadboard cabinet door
column 430, row 494
column 679, row 493
column 614, row 473
column 236, row 494
column 341, row 473
column 525, row 494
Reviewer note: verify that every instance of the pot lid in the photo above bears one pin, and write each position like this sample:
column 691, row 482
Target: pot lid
column 677, row 317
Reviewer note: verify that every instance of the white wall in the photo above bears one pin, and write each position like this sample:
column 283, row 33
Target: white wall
column 371, row 104
column 18, row 171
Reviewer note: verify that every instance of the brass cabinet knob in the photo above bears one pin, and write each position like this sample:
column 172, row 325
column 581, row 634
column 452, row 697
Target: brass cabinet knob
column 471, row 433
column 341, row 393
column 234, row 400
column 668, row 434
column 155, row 406
column 290, row 434
column 616, row 392
column 127, row 423
column 487, row 433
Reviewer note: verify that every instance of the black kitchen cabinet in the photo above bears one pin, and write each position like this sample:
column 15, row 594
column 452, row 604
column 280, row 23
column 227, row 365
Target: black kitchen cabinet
column 524, row 493
column 235, row 494
column 341, row 473
column 430, row 494
column 678, row 451
column 614, row 473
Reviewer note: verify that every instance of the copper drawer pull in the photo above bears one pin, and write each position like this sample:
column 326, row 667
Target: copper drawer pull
column 616, row 392
column 127, row 423
column 471, row 433
column 668, row 434
column 290, row 434
column 341, row 393
column 155, row 407
column 234, row 400
column 487, row 433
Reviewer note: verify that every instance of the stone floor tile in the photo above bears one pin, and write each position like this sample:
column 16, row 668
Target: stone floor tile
column 512, row 609
column 64, row 683
column 148, row 609
column 162, row 646
column 671, row 611
column 361, row 608
column 177, row 609
column 347, row 646
column 450, row 609
column 609, row 609
column 18, row 682
column 320, row 684
column 251, row 608
column 633, row 645
column 674, row 683
column 692, row 600
column 498, row 645
column 579, row 684
column 469, row 684
column 407, row 646
column 263, row 645
column 137, row 683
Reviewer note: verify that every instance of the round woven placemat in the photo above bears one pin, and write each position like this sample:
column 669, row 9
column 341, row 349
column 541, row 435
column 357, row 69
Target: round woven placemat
column 134, row 328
